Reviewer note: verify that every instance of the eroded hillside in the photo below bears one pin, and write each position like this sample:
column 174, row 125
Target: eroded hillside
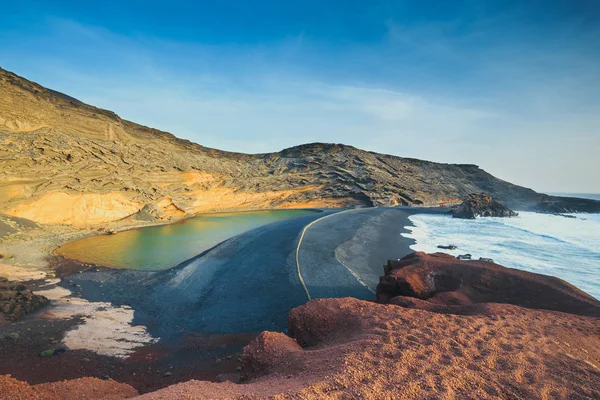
column 63, row 161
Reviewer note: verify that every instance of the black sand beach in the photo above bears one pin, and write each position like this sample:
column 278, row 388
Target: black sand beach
column 250, row 282
column 213, row 304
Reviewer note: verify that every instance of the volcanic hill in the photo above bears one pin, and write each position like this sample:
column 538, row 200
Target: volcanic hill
column 66, row 162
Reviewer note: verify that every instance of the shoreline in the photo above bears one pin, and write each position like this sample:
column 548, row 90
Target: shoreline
column 215, row 363
column 203, row 365
column 365, row 333
column 179, row 221
column 46, row 239
column 548, row 244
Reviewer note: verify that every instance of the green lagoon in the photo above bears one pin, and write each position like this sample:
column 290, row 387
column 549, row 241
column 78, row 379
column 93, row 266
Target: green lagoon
column 165, row 246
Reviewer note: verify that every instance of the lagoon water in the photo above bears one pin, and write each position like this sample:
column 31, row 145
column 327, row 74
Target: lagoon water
column 165, row 246
column 568, row 248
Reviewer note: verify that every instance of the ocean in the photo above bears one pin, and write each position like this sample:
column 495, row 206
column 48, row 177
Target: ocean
column 568, row 248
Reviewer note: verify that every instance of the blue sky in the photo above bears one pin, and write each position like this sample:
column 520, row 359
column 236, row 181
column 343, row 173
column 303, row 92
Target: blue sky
column 509, row 85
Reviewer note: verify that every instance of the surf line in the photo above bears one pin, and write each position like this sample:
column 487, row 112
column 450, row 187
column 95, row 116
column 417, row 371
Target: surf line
column 300, row 243
column 355, row 275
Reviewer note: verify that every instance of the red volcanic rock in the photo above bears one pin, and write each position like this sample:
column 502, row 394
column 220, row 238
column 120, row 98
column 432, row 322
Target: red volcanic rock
column 310, row 329
column 443, row 280
column 270, row 351
column 451, row 329
column 13, row 389
column 89, row 388
column 75, row 389
column 373, row 351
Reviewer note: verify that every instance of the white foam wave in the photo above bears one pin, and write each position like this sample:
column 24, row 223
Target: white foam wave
column 568, row 248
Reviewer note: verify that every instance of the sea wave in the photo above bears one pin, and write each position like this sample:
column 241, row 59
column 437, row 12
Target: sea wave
column 568, row 248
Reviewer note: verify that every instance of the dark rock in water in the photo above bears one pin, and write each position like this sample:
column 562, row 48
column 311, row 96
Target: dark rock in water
column 463, row 257
column 565, row 215
column 561, row 205
column 16, row 300
column 480, row 205
column 448, row 247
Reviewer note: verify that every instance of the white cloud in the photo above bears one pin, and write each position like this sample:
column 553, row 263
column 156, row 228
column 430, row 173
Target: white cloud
column 531, row 133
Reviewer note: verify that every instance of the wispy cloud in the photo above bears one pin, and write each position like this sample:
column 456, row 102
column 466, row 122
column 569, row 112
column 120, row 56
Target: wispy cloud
column 429, row 92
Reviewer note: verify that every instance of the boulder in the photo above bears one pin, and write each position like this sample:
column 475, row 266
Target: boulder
column 442, row 279
column 480, row 205
column 82, row 388
column 16, row 300
column 447, row 247
column 269, row 352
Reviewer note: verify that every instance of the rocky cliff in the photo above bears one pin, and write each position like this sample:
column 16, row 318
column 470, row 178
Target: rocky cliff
column 480, row 205
column 63, row 161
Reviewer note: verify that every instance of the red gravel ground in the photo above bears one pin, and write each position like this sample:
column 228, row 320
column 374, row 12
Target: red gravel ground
column 449, row 344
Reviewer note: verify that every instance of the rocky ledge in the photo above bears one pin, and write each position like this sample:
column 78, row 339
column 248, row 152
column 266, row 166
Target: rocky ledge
column 440, row 281
column 480, row 205
column 444, row 329
column 16, row 300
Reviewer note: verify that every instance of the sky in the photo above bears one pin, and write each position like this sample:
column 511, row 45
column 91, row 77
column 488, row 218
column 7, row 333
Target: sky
column 511, row 86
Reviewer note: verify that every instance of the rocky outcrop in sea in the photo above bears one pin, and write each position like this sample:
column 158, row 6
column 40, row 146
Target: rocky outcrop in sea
column 480, row 205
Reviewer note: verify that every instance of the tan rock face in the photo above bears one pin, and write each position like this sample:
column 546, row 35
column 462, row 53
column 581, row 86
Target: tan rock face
column 76, row 209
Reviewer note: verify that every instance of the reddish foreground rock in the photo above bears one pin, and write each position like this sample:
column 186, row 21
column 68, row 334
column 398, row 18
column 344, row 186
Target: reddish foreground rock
column 455, row 341
column 75, row 389
column 361, row 350
column 444, row 281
